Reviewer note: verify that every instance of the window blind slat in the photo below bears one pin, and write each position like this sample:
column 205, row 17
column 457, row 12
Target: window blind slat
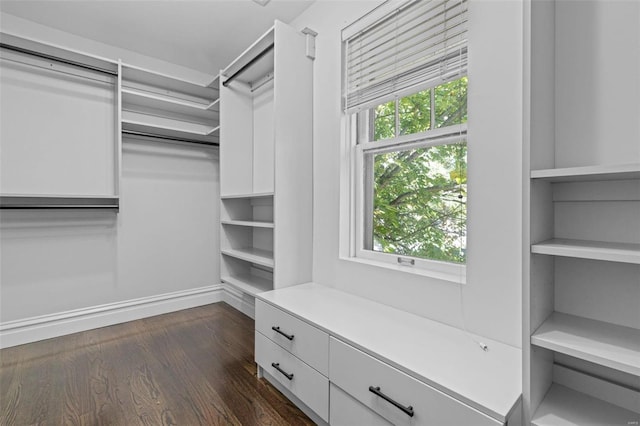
column 435, row 35
column 443, row 70
column 411, row 55
column 422, row 44
column 388, row 28
column 396, row 33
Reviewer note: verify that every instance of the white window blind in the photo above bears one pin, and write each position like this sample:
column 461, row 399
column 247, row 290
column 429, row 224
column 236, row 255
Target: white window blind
column 420, row 43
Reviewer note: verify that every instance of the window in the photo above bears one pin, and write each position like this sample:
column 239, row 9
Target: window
column 407, row 121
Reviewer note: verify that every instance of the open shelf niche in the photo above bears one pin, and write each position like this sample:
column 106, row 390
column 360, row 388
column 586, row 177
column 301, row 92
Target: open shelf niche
column 265, row 165
column 581, row 339
column 155, row 104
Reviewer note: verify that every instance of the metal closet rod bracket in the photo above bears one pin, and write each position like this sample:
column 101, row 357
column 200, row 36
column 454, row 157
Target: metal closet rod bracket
column 311, row 42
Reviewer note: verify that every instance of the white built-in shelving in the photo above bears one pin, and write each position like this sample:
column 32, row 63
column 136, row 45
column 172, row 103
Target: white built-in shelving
column 156, row 104
column 251, row 254
column 250, row 284
column 265, row 211
column 581, row 347
column 563, row 406
column 596, row 250
column 248, row 223
column 603, row 343
column 589, row 173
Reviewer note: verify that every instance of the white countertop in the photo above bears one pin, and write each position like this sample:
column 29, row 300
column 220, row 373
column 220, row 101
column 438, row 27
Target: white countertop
column 445, row 357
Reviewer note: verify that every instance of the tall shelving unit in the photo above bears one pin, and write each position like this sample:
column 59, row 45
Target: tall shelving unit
column 266, row 164
column 581, row 335
column 159, row 105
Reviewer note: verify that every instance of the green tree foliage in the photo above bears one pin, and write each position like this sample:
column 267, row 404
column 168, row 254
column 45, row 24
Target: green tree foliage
column 420, row 194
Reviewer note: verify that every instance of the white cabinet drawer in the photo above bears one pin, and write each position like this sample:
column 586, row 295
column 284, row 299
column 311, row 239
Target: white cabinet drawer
column 305, row 341
column 356, row 372
column 303, row 381
column 346, row 411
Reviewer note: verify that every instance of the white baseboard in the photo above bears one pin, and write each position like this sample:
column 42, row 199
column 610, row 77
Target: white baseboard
column 13, row 333
column 243, row 302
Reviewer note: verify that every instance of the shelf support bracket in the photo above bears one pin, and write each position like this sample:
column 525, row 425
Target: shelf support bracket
column 311, row 42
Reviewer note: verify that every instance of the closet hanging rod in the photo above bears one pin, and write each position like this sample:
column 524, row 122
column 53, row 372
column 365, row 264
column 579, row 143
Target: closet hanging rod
column 28, row 202
column 248, row 64
column 169, row 138
column 57, row 59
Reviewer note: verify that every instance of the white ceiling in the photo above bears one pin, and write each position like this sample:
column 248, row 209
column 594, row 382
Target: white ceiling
column 204, row 35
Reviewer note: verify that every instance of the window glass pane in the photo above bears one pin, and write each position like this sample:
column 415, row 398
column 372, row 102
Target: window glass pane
column 451, row 103
column 384, row 123
column 415, row 113
column 420, row 202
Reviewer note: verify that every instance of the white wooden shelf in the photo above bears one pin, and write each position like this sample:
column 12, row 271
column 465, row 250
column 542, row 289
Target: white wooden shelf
column 160, row 126
column 565, row 407
column 249, row 284
column 131, row 73
column 254, row 195
column 595, row 250
column 153, row 121
column 148, row 100
column 251, row 254
column 599, row 342
column 589, row 173
column 249, row 223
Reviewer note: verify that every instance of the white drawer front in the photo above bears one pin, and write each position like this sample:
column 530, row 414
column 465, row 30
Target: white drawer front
column 308, row 343
column 346, row 411
column 304, row 382
column 355, row 372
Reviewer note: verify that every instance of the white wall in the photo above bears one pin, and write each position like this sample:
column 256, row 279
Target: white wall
column 597, row 86
column 163, row 241
column 491, row 299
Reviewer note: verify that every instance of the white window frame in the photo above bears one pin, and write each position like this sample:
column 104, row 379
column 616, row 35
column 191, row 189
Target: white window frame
column 444, row 59
column 449, row 271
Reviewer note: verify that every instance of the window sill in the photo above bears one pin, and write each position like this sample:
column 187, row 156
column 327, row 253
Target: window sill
column 453, row 278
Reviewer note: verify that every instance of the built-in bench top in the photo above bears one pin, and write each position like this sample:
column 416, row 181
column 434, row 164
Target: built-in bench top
column 447, row 358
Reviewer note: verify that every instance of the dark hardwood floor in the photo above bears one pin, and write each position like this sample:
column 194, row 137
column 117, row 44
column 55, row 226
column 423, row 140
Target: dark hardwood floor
column 193, row 367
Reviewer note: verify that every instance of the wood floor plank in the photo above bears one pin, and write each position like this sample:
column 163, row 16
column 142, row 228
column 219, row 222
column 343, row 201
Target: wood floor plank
column 227, row 374
column 185, row 368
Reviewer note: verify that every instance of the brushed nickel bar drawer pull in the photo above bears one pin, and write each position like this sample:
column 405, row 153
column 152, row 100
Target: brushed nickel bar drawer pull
column 277, row 330
column 407, row 410
column 276, row 365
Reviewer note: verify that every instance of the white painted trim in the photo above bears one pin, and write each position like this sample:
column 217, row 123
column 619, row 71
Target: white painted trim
column 18, row 332
column 239, row 300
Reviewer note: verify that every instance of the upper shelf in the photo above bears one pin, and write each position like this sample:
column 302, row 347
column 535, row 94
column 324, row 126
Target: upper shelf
column 252, row 195
column 149, row 100
column 255, row 62
column 589, row 173
column 595, row 250
column 611, row 345
column 133, row 74
column 156, row 104
column 72, row 57
column 248, row 223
